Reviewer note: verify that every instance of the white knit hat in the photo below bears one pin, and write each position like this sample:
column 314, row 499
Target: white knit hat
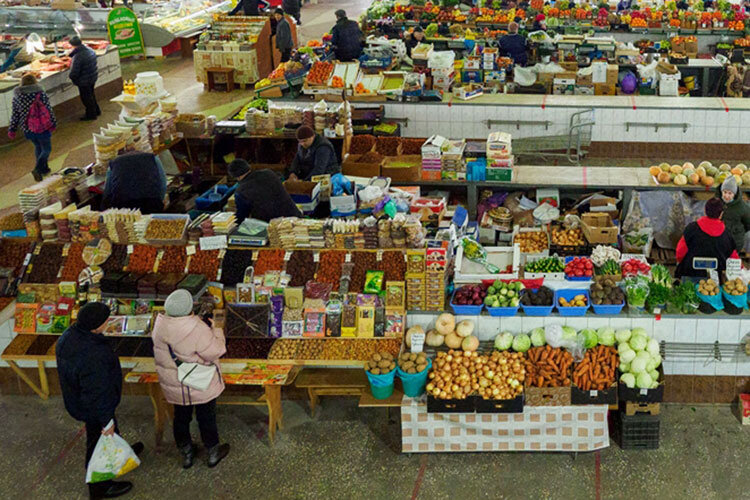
column 179, row 303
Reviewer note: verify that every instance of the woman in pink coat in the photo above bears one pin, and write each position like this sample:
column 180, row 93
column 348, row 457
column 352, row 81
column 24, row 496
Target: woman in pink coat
column 182, row 335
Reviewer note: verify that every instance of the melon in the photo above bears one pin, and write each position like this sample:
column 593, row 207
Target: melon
column 663, row 178
column 694, row 179
column 712, row 171
column 741, row 166
column 675, row 169
column 664, row 167
column 705, row 164
column 725, row 167
column 687, row 172
column 700, row 171
column 738, row 179
column 680, row 180
column 746, row 178
column 722, row 177
column 708, row 180
column 687, row 164
column 654, row 171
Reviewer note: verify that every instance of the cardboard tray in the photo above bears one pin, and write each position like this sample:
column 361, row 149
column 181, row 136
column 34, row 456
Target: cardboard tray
column 547, row 396
column 351, row 167
column 599, row 228
column 402, row 174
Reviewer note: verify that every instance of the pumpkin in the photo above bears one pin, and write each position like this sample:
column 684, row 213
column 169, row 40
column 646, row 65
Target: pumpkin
column 736, row 171
column 675, row 169
column 663, row 178
column 680, row 180
column 694, row 179
column 708, row 181
column 654, row 171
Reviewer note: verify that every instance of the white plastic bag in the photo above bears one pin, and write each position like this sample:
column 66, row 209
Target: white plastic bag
column 112, row 458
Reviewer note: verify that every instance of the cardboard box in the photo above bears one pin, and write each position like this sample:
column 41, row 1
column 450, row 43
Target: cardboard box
column 402, row 172
column 566, row 75
column 569, row 66
column 583, row 90
column 431, row 149
column 691, row 47
column 564, row 86
column 344, row 205
column 545, row 78
column 598, row 228
column 351, row 167
column 604, row 89
column 604, row 204
column 305, row 194
column 584, row 80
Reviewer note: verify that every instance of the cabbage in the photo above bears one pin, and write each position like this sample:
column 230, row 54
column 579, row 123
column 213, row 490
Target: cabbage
column 503, row 341
column 624, row 367
column 638, row 365
column 622, row 336
column 644, row 381
column 587, row 338
column 639, row 331
column 657, row 359
column 654, row 385
column 568, row 333
column 652, row 347
column 628, row 356
column 653, row 374
column 628, row 379
column 643, row 354
column 650, row 364
column 537, row 337
column 606, row 336
column 623, row 347
column 638, row 342
column 521, row 343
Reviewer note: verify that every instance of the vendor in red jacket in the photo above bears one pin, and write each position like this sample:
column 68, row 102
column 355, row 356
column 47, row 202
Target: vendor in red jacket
column 707, row 237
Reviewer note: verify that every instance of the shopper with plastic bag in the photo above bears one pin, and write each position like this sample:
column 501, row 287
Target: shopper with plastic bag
column 112, row 457
column 187, row 352
column 705, row 238
column 91, row 383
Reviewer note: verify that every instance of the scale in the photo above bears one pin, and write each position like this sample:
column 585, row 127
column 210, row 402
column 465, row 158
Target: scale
column 708, row 264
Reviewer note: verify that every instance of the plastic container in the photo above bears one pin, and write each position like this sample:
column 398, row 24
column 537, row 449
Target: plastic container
column 607, row 309
column 734, row 304
column 414, row 383
column 638, row 432
column 568, row 295
column 181, row 241
column 467, row 310
column 715, row 301
column 381, row 385
column 502, row 311
column 577, row 278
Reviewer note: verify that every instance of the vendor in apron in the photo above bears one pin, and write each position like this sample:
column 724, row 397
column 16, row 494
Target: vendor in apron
column 705, row 238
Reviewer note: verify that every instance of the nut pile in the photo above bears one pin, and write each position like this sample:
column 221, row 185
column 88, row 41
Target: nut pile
column 74, row 263
column 205, row 262
column 13, row 252
column 381, row 363
column 393, row 265
column 116, row 260
column 233, row 266
column 165, row 229
column 361, row 144
column 411, row 362
column 142, row 259
column 269, row 260
column 329, row 270
column 46, row 264
column 363, row 262
column 243, row 348
column 173, row 260
column 387, row 146
column 532, row 241
column 301, row 267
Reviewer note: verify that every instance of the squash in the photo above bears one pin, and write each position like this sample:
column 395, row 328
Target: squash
column 736, row 171
column 738, row 179
column 705, row 165
column 708, row 180
column 742, row 167
column 654, row 171
column 725, row 167
column 687, row 164
column 680, row 180
column 675, row 169
column 453, row 341
column 664, row 167
column 663, row 178
column 701, row 172
column 687, row 172
column 694, row 179
column 434, row 339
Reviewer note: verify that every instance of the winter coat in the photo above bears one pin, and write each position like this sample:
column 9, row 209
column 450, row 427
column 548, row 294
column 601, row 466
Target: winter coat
column 737, row 218
column 136, row 180
column 192, row 341
column 706, row 237
column 83, row 69
column 23, row 97
column 90, row 375
column 284, row 39
column 248, row 7
column 291, row 7
column 346, row 38
column 262, row 196
column 318, row 159
column 515, row 47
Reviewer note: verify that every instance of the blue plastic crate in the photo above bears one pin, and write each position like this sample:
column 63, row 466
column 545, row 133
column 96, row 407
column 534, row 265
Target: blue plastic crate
column 467, row 310
column 604, row 309
column 537, row 310
column 575, row 278
column 502, row 311
column 568, row 295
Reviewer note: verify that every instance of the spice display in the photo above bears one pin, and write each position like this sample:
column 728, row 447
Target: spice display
column 332, row 349
column 411, row 146
column 41, row 345
column 173, row 260
column 361, row 144
column 363, row 262
column 269, row 260
column 116, row 260
column 233, row 266
column 12, row 253
column 46, row 264
column 387, row 146
column 74, row 263
column 301, row 267
column 532, row 241
column 548, row 367
column 329, row 270
column 205, row 262
column 393, row 265
column 165, row 229
column 248, row 348
column 597, row 370
column 19, row 345
column 11, row 222
column 142, row 259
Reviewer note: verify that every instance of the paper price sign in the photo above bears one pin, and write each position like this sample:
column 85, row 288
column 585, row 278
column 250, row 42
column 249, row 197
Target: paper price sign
column 213, row 242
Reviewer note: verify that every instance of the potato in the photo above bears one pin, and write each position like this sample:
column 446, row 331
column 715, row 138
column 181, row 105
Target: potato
column 376, row 357
column 412, row 357
column 404, row 356
column 372, row 364
column 386, row 355
column 407, row 365
column 421, row 368
column 392, row 366
column 411, row 370
column 375, row 371
column 384, row 363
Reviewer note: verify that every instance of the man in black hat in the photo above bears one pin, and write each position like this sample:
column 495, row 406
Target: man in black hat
column 346, row 38
column 260, row 194
column 91, row 382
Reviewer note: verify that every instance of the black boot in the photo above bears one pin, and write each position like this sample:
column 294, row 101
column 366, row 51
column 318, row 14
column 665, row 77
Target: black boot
column 217, row 453
column 137, row 448
column 112, row 489
column 188, row 455
column 37, row 175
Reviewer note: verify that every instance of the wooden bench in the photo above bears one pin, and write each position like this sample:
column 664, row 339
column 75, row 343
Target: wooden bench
column 211, row 78
column 331, row 382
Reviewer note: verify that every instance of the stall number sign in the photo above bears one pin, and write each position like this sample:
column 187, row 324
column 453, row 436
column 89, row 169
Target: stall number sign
column 124, row 32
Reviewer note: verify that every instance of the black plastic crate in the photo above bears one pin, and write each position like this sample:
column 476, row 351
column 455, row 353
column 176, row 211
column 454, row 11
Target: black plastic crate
column 637, row 432
column 569, row 250
column 643, row 395
column 435, row 405
column 602, row 397
column 514, row 405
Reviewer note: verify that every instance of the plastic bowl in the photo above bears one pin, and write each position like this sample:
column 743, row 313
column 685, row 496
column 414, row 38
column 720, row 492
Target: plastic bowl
column 568, row 295
column 467, row 310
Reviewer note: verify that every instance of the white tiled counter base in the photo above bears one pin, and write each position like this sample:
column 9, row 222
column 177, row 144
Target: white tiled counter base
column 538, row 428
column 689, row 330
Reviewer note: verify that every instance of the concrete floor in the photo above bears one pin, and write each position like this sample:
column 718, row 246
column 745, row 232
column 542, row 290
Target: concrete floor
column 347, row 452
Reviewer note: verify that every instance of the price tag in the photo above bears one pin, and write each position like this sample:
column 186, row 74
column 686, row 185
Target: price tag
column 287, row 256
column 316, row 257
column 734, row 266
column 66, row 250
column 222, row 253
column 218, row 275
column 255, row 255
column 657, row 313
column 593, row 394
column 713, row 275
column 37, row 249
column 160, row 254
column 644, row 392
column 213, row 242
column 417, row 341
column 348, row 258
column 379, row 255
column 190, row 250
column 130, row 249
column 27, row 259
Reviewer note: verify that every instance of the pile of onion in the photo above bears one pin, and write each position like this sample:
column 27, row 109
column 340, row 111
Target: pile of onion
column 457, row 374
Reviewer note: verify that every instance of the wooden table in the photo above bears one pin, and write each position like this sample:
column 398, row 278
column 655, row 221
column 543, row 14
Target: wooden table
column 211, row 77
column 234, row 372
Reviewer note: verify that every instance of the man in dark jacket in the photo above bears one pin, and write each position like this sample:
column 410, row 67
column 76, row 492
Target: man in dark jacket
column 292, row 7
column 248, row 8
column 417, row 37
column 346, row 38
column 136, row 180
column 707, row 237
column 315, row 156
column 260, row 194
column 91, row 383
column 83, row 74
column 284, row 41
column 514, row 45
column 736, row 211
